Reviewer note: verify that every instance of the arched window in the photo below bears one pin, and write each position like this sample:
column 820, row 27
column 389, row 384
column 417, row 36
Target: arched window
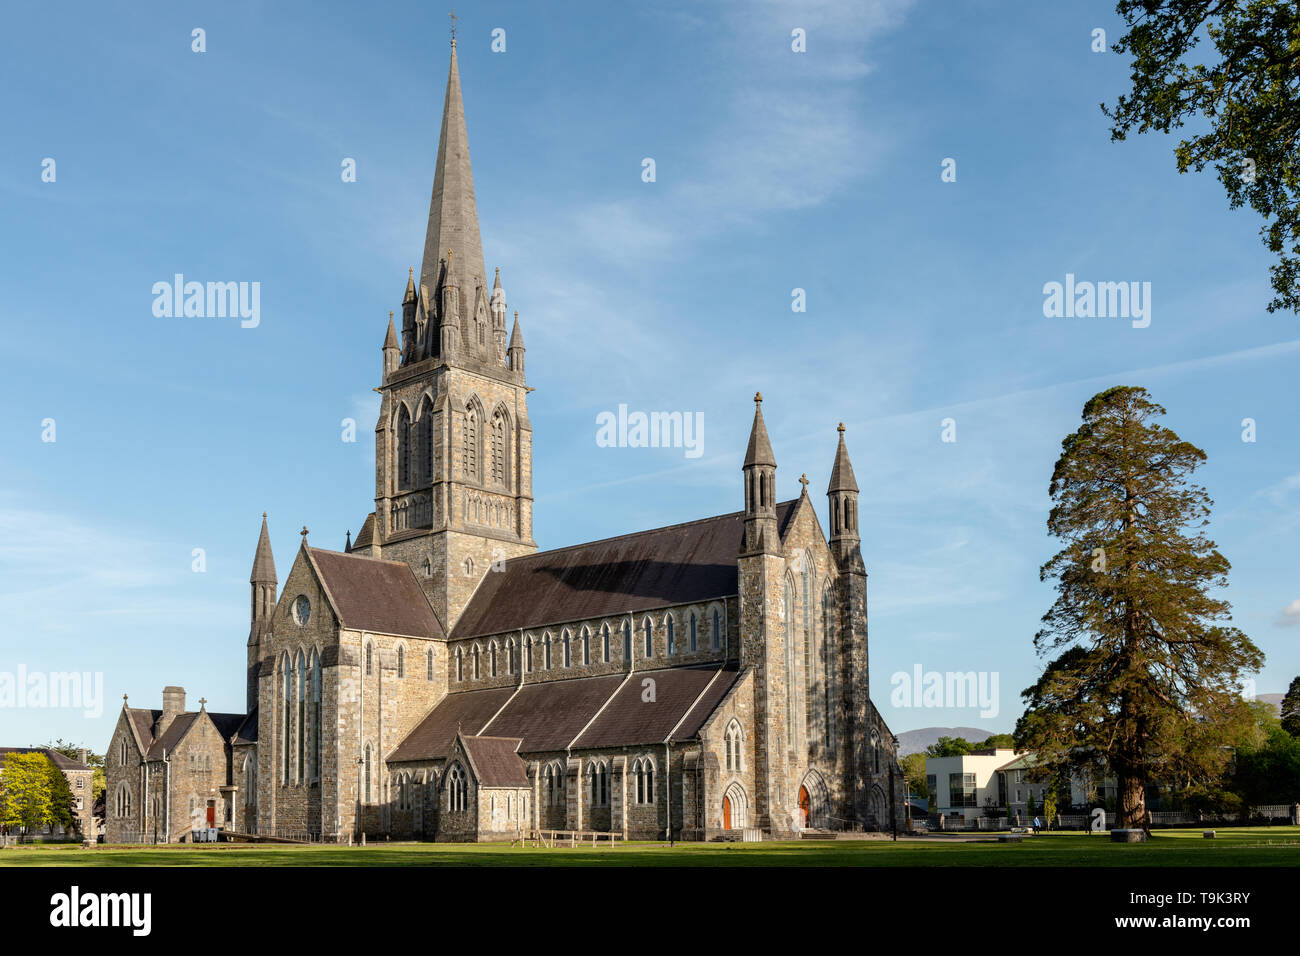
column 470, row 439
column 643, row 773
column 457, row 788
column 791, row 687
column 315, row 714
column 510, row 655
column 732, row 740
column 528, row 654
column 401, row 661
column 424, row 431
column 598, row 784
column 568, row 660
column 604, row 643
column 123, row 801
column 627, row 641
column 403, row 449
column 460, row 665
column 474, row 656
column 428, row 664
column 830, row 665
column 694, row 636
column 717, row 630
column 554, row 777
column 492, row 658
column 672, row 637
column 121, row 753
column 586, row 646
column 366, row 783
column 810, row 659
column 546, row 651
column 302, row 718
column 286, row 741
column 649, row 638
column 370, row 659
column 499, row 448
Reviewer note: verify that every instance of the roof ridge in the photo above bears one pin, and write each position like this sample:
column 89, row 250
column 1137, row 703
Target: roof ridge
column 633, row 534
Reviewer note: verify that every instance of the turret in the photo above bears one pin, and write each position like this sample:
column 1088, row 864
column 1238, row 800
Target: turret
column 449, row 327
column 497, row 305
column 843, row 495
column 392, row 352
column 515, row 354
column 760, row 489
column 263, row 582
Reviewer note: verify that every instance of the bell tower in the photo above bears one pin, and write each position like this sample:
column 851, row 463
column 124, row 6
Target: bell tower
column 453, row 444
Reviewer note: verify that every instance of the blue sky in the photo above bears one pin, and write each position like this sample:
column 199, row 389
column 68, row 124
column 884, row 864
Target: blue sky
column 775, row 171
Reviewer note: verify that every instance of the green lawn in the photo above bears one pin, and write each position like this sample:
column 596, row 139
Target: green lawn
column 1272, row 846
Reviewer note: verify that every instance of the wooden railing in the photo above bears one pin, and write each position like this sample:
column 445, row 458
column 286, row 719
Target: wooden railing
column 552, row 838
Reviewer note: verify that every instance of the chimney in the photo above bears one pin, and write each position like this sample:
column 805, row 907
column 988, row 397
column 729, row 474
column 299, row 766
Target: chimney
column 173, row 706
column 81, row 757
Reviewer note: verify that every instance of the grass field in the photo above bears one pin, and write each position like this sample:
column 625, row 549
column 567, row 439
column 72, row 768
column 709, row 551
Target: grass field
column 1273, row 846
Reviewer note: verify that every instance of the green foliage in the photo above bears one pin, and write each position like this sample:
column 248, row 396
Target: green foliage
column 1243, row 99
column 949, row 747
column 1269, row 773
column 26, row 794
column 94, row 761
column 914, row 772
column 1291, row 709
column 1146, row 678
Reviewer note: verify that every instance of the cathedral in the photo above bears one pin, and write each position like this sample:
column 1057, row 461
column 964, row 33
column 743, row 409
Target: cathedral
column 442, row 679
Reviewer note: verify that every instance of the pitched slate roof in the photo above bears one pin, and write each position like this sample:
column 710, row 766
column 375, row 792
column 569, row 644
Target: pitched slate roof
column 552, row 715
column 143, row 720
column 433, row 736
column 496, row 761
column 546, row 716
column 247, row 732
column 366, row 536
column 59, row 760
column 678, row 564
column 628, row 719
column 376, row 595
column 228, row 724
column 171, row 736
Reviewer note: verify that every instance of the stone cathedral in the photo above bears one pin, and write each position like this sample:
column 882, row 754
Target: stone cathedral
column 442, row 679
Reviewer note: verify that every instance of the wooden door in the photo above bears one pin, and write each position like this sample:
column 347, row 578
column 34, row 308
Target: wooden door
column 212, row 814
column 726, row 813
column 803, row 804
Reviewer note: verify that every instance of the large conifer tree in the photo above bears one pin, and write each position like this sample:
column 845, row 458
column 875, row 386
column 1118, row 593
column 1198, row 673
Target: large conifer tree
column 1149, row 674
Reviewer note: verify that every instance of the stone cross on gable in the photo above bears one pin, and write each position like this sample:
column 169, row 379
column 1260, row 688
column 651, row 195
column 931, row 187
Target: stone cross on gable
column 803, row 480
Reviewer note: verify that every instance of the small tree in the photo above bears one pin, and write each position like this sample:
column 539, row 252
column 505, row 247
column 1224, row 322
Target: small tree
column 27, row 799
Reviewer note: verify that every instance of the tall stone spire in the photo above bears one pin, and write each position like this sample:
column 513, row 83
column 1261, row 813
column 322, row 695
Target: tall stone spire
column 760, row 489
column 453, row 213
column 842, row 493
column 263, row 584
column 263, row 560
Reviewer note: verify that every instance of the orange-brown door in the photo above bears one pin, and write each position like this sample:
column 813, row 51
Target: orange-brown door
column 803, row 804
column 212, row 815
column 726, row 813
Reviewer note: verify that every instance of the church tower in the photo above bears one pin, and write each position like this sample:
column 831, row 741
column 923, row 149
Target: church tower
column 263, row 584
column 851, row 652
column 761, row 567
column 453, row 445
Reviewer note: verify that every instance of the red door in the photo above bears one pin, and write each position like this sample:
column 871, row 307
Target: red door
column 212, row 815
column 803, row 804
column 726, row 813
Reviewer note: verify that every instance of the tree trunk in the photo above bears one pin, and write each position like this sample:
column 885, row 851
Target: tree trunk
column 1132, row 802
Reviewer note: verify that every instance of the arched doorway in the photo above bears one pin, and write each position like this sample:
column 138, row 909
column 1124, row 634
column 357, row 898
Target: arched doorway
column 814, row 802
column 735, row 808
column 805, row 805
